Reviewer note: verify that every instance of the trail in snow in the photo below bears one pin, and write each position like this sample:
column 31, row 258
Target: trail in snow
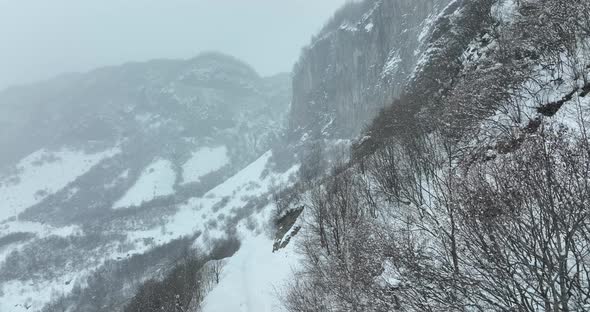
column 252, row 277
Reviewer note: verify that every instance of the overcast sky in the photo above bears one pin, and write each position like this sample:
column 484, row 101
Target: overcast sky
column 42, row 38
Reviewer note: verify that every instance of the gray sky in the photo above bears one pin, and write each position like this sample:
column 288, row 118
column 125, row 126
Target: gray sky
column 42, row 38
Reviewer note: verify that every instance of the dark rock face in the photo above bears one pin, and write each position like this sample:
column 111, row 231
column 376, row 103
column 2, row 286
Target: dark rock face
column 359, row 63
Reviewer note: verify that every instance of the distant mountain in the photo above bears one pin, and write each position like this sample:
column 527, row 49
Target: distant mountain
column 88, row 159
column 434, row 157
column 162, row 109
column 192, row 98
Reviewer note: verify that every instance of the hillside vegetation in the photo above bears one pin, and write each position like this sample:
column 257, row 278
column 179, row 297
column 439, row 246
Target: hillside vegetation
column 470, row 192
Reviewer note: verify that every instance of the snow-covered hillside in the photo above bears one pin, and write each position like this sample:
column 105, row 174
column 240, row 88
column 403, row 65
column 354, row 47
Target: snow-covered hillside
column 43, row 173
column 253, row 279
column 204, row 161
column 214, row 214
column 115, row 168
column 155, row 180
column 187, row 185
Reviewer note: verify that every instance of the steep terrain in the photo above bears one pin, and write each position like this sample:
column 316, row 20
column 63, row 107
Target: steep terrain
column 468, row 192
column 441, row 165
column 359, row 63
column 96, row 165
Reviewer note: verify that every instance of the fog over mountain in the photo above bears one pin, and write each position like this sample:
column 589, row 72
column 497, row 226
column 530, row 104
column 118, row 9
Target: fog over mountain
column 41, row 39
column 295, row 156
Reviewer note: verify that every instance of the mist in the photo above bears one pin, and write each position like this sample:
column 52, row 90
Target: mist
column 41, row 39
column 168, row 155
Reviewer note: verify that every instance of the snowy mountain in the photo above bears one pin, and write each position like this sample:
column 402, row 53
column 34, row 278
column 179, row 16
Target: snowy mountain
column 434, row 158
column 96, row 165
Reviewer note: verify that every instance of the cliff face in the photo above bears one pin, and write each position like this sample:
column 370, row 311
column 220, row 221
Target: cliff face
column 359, row 63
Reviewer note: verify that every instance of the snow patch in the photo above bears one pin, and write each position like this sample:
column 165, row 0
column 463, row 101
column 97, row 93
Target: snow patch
column 44, row 173
column 426, row 27
column 32, row 295
column 156, row 180
column 504, row 10
column 392, row 63
column 204, row 161
column 198, row 212
column 348, row 27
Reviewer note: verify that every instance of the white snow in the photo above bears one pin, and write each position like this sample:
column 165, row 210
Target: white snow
column 389, row 277
column 348, row 27
column 504, row 10
column 204, row 161
column 27, row 296
column 369, row 27
column 39, row 229
column 195, row 214
column 251, row 277
column 43, row 173
column 426, row 27
column 256, row 284
column 392, row 63
column 155, row 180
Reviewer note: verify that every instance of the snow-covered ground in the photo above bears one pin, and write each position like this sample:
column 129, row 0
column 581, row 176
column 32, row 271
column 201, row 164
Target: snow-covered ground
column 253, row 278
column 17, row 296
column 198, row 213
column 155, row 180
column 252, row 289
column 41, row 230
column 44, row 173
column 250, row 276
column 31, row 295
column 203, row 161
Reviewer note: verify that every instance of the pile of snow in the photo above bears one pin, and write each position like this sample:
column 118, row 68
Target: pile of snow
column 44, row 173
column 204, row 161
column 156, row 180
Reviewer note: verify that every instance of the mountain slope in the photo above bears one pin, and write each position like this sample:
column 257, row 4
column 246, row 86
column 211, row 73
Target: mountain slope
column 469, row 192
column 359, row 63
column 101, row 169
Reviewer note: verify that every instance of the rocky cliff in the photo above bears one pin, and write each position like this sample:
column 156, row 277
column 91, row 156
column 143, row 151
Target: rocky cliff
column 359, row 63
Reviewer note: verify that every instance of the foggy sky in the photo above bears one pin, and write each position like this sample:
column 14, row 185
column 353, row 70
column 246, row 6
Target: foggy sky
column 42, row 38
